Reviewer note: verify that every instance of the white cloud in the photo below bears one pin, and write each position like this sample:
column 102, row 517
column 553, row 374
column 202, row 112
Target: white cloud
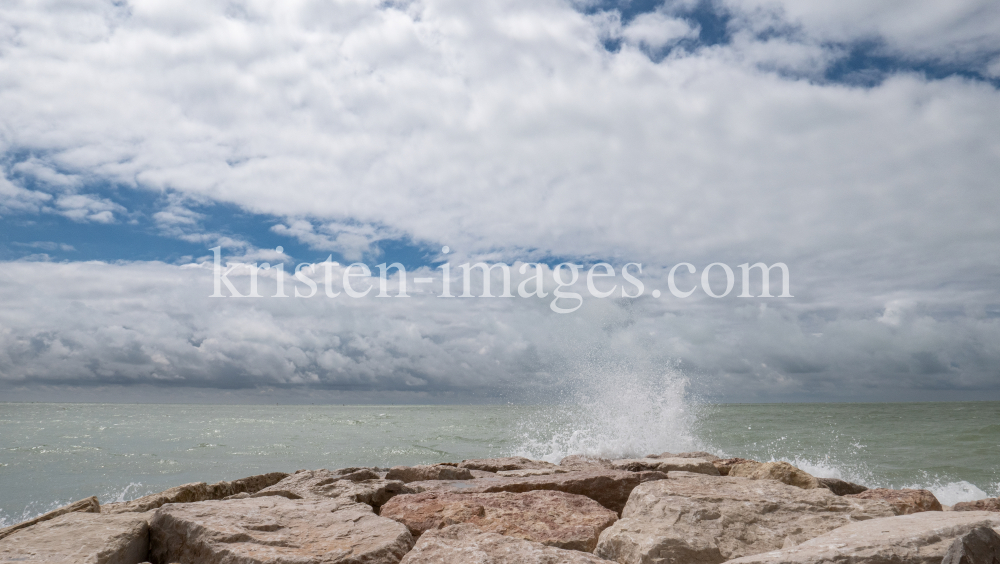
column 85, row 207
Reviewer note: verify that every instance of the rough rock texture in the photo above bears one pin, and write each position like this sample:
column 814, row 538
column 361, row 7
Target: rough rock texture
column 465, row 544
column 922, row 538
column 780, row 471
column 840, row 487
column 80, row 538
column 275, row 530
column 610, row 488
column 506, row 463
column 695, row 454
column 362, row 486
column 903, row 502
column 552, row 518
column 199, row 491
column 428, row 472
column 724, row 464
column 697, row 465
column 979, row 546
column 532, row 472
column 989, row 504
column 709, row 519
column 89, row 505
column 582, row 462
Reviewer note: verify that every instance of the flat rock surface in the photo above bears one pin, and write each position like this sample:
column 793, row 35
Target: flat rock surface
column 780, row 471
column 989, row 504
column 610, row 488
column 904, row 502
column 428, row 472
column 466, row 544
column 80, row 538
column 275, row 530
column 89, row 505
column 505, row 463
column 549, row 517
column 362, row 486
column 673, row 464
column 921, row 538
column 199, row 491
column 710, row 519
column 583, row 462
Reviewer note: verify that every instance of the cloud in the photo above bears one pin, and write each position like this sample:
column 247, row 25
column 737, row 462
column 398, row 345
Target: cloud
column 47, row 246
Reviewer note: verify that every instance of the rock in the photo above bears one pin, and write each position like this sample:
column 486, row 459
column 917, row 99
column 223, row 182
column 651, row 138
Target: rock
column 709, row 519
column 274, row 529
column 989, row 504
column 903, row 502
column 89, row 505
column 549, row 517
column 580, row 462
column 356, row 486
column 80, row 538
column 506, row 463
column 840, row 487
column 532, row 472
column 979, row 546
column 610, row 488
column 465, row 544
column 780, row 471
column 483, row 474
column 724, row 464
column 428, row 472
column 697, row 465
column 199, row 491
column 695, row 454
column 921, row 538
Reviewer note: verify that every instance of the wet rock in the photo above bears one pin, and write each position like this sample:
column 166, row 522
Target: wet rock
column 89, row 505
column 989, row 504
column 903, row 502
column 840, row 487
column 428, row 472
column 724, row 464
column 199, row 491
column 979, row 546
column 610, row 488
column 549, row 517
column 358, row 486
column 584, row 462
column 80, row 538
column 506, row 463
column 697, row 465
column 274, row 529
column 465, row 544
column 780, row 471
column 921, row 538
column 710, row 519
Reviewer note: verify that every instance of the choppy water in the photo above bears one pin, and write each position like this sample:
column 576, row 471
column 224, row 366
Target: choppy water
column 51, row 454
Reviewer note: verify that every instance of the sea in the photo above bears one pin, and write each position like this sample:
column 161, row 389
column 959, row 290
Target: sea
column 55, row 453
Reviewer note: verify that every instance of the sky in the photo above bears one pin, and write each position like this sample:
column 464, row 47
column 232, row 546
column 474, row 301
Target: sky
column 857, row 143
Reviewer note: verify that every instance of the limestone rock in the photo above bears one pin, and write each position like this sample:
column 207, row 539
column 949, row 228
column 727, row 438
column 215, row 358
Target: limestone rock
column 989, row 504
column 709, row 519
column 979, row 546
column 532, row 472
column 724, row 464
column 466, row 544
column 581, row 462
column 428, row 472
column 552, row 518
column 840, row 487
column 275, row 530
column 904, row 502
column 506, row 463
column 695, row 454
column 89, row 505
column 697, row 465
column 313, row 484
column 198, row 491
column 780, row 471
column 610, row 488
column 80, row 538
column 921, row 538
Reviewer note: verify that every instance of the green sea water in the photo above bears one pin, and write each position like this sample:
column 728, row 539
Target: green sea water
column 51, row 454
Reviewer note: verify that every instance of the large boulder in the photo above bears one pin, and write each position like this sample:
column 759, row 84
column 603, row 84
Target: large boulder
column 198, row 491
column 552, row 518
column 979, row 546
column 505, row 463
column 80, row 538
column 697, row 465
column 840, row 487
column 362, row 486
column 710, row 519
column 610, row 488
column 921, row 538
column 466, row 544
column 275, row 530
column 428, row 472
column 89, row 505
column 584, row 462
column 725, row 464
column 988, row 504
column 903, row 502
column 780, row 471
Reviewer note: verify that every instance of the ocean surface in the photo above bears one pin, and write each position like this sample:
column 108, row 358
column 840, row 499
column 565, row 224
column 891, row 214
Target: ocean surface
column 52, row 454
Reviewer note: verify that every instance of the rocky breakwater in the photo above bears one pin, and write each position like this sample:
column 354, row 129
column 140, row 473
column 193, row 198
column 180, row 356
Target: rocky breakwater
column 666, row 508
